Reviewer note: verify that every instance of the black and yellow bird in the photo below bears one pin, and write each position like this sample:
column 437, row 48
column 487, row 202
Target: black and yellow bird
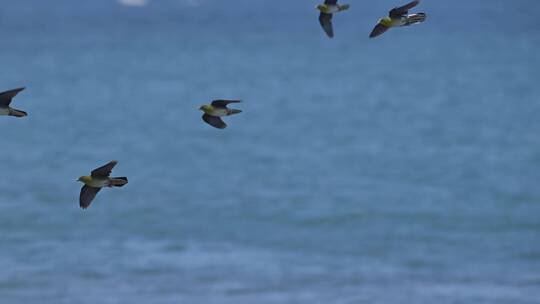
column 98, row 179
column 5, row 101
column 213, row 112
column 398, row 16
column 328, row 9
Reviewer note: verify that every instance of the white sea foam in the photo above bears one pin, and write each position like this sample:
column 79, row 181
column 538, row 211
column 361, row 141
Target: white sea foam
column 139, row 3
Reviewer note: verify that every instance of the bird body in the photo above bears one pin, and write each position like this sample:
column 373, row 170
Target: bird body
column 389, row 22
column 397, row 17
column 402, row 20
column 97, row 180
column 100, row 182
column 328, row 9
column 218, row 112
column 218, row 108
column 332, row 8
column 5, row 101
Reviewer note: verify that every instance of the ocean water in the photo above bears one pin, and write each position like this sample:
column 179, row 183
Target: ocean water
column 404, row 169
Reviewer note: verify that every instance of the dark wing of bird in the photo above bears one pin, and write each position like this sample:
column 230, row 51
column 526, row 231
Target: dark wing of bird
column 326, row 23
column 403, row 10
column 87, row 196
column 104, row 171
column 222, row 103
column 378, row 30
column 330, row 2
column 214, row 121
column 6, row 97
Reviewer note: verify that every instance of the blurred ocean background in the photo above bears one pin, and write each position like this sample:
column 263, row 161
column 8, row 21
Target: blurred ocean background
column 404, row 169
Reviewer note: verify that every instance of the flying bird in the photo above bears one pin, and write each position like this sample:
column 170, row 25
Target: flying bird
column 398, row 16
column 98, row 179
column 328, row 9
column 213, row 112
column 5, row 101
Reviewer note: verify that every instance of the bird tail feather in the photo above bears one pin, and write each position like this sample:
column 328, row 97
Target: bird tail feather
column 17, row 113
column 234, row 111
column 415, row 18
column 119, row 181
column 344, row 7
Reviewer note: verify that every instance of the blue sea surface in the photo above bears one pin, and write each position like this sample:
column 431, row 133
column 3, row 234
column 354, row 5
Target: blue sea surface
column 404, row 169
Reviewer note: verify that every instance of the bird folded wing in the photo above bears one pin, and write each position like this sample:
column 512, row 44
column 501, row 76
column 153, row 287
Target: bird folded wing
column 6, row 97
column 326, row 23
column 378, row 30
column 214, row 121
column 87, row 196
column 222, row 103
column 104, row 171
column 403, row 10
